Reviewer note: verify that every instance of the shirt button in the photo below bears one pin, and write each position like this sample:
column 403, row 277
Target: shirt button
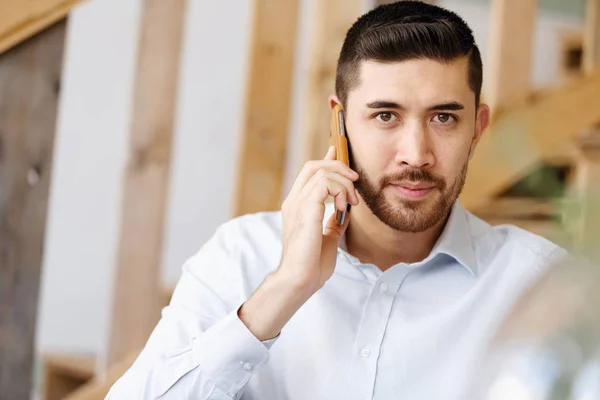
column 247, row 366
column 365, row 352
column 383, row 287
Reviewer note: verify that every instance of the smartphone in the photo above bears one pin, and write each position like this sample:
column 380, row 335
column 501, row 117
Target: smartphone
column 338, row 139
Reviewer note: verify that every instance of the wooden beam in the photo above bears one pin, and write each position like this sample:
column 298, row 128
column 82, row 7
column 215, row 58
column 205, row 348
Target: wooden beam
column 330, row 23
column 136, row 297
column 520, row 139
column 30, row 83
column 588, row 191
column 591, row 36
column 518, row 208
column 511, row 48
column 64, row 373
column 268, row 100
column 22, row 19
column 97, row 388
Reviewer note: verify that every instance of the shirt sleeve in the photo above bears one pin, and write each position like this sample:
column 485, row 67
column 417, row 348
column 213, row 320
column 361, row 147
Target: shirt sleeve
column 200, row 349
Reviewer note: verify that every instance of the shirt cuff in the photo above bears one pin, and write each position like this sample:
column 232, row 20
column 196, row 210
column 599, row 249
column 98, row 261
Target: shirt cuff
column 230, row 354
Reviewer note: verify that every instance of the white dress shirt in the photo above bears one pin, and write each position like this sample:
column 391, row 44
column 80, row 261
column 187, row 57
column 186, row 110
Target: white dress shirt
column 415, row 331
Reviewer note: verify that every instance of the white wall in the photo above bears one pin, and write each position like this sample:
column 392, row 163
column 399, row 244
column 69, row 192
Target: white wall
column 91, row 147
column 81, row 239
column 209, row 120
column 85, row 191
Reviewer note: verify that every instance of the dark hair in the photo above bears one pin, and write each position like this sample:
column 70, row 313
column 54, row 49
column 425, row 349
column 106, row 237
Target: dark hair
column 402, row 31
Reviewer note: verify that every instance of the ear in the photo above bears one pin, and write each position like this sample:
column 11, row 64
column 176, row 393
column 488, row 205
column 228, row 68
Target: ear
column 333, row 101
column 482, row 121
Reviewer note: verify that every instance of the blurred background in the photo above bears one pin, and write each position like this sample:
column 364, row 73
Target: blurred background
column 131, row 129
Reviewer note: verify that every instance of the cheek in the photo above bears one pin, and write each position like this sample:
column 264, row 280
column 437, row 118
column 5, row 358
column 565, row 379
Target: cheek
column 371, row 156
column 450, row 160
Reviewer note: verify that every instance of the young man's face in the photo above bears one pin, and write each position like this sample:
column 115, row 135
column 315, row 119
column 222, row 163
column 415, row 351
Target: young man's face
column 412, row 126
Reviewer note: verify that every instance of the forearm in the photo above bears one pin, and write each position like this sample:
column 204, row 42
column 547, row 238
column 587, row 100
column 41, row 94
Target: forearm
column 173, row 367
column 273, row 304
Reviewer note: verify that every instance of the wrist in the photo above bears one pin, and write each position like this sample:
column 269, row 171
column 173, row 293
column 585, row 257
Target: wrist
column 273, row 304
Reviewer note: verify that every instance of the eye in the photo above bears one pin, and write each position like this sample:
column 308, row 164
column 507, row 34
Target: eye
column 385, row 117
column 444, row 118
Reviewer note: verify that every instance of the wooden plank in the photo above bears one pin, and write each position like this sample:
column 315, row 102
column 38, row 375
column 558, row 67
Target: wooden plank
column 591, row 36
column 97, row 388
column 24, row 18
column 510, row 58
column 588, row 192
column 136, row 296
column 64, row 373
column 29, row 82
column 516, row 208
column 331, row 20
column 264, row 140
column 521, row 138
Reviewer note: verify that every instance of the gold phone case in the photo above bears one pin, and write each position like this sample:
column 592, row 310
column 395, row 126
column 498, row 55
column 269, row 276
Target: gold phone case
column 339, row 141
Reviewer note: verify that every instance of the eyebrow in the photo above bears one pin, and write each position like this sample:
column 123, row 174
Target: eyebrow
column 452, row 106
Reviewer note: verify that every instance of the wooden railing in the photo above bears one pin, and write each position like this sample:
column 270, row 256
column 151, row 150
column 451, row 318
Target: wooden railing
column 22, row 19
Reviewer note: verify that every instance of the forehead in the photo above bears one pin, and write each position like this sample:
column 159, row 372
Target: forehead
column 417, row 82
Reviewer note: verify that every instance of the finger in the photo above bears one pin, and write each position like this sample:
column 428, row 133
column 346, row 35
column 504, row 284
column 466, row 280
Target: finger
column 330, row 153
column 332, row 233
column 312, row 167
column 325, row 184
column 351, row 193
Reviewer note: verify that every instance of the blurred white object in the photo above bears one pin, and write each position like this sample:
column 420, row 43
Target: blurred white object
column 549, row 346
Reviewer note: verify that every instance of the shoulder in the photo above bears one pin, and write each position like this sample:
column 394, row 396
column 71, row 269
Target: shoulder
column 251, row 241
column 256, row 230
column 510, row 242
column 240, row 254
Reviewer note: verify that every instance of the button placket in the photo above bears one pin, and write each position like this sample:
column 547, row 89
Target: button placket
column 247, row 366
column 383, row 287
column 369, row 338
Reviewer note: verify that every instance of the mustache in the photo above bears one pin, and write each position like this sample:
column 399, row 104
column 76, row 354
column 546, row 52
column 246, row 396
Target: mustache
column 413, row 175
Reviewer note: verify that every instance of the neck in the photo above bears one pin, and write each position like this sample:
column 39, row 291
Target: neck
column 373, row 242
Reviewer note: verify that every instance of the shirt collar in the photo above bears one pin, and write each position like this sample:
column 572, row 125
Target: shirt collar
column 455, row 240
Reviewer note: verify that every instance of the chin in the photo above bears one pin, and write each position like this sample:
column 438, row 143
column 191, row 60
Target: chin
column 412, row 216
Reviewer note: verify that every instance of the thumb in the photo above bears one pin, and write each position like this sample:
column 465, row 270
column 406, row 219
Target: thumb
column 332, row 234
column 331, row 153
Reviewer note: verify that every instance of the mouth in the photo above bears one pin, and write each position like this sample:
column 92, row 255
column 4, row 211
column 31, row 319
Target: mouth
column 413, row 190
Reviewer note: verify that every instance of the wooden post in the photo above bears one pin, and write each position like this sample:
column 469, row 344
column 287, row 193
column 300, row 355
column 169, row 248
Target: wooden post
column 520, row 138
column 591, row 36
column 136, row 298
column 331, row 21
column 30, row 84
column 264, row 140
column 511, row 47
column 587, row 236
column 588, row 166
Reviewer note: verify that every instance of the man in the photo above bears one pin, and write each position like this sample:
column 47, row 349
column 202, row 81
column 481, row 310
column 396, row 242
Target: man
column 400, row 301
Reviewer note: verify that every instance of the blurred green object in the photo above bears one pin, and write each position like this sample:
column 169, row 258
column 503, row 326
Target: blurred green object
column 548, row 347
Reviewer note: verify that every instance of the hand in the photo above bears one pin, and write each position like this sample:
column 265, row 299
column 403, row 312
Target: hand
column 309, row 251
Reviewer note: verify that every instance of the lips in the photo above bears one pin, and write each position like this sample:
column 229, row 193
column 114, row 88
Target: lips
column 413, row 190
column 415, row 186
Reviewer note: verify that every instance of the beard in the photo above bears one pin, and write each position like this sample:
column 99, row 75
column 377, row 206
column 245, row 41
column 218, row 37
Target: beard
column 410, row 215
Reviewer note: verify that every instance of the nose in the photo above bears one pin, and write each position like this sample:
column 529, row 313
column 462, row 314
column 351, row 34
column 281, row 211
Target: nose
column 414, row 146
